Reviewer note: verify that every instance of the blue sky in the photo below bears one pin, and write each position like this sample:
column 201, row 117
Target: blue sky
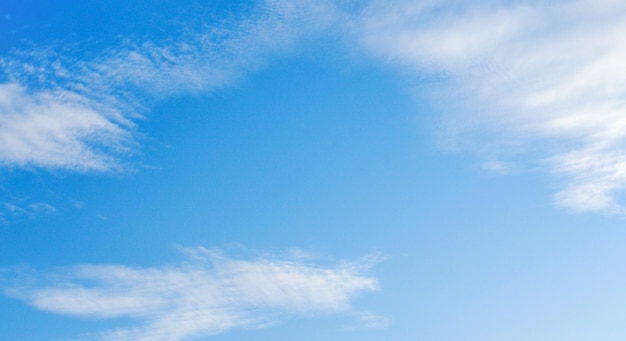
column 334, row 169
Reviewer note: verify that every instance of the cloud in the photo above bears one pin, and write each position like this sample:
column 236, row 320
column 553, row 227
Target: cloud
column 60, row 110
column 23, row 209
column 208, row 294
column 546, row 75
column 368, row 320
column 30, row 209
column 541, row 79
column 58, row 129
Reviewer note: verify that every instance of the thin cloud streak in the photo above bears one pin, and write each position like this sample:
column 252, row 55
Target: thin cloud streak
column 534, row 72
column 208, row 294
column 10, row 211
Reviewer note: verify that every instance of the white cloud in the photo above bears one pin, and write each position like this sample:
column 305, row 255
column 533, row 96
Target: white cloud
column 60, row 111
column 57, row 129
column 548, row 76
column 209, row 294
column 534, row 71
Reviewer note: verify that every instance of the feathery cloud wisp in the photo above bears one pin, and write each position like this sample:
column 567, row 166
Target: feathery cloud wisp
column 58, row 129
column 546, row 74
column 209, row 294
column 60, row 111
column 533, row 71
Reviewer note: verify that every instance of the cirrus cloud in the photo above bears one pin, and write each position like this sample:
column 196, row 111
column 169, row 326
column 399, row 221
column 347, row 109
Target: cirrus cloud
column 536, row 73
column 209, row 293
column 59, row 110
column 59, row 129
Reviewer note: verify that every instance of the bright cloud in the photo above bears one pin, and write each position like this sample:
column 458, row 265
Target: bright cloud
column 58, row 129
column 546, row 76
column 208, row 294
column 547, row 72
column 59, row 111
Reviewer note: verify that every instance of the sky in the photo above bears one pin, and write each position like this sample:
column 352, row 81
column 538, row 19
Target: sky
column 312, row 170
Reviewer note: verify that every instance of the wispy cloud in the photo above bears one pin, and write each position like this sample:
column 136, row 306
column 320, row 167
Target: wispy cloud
column 10, row 211
column 58, row 129
column 208, row 294
column 368, row 320
column 59, row 110
column 534, row 71
column 547, row 77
